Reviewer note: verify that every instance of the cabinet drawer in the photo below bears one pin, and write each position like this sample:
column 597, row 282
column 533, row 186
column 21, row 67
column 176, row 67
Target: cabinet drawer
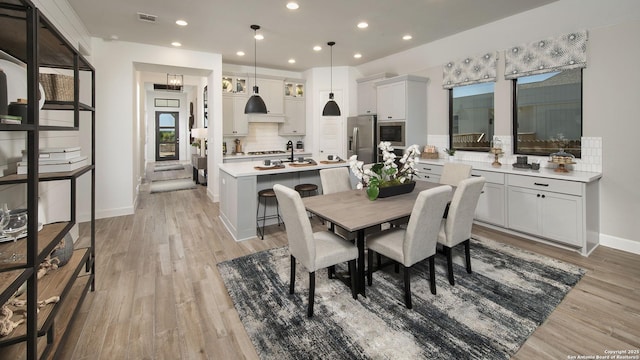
column 427, row 177
column 490, row 176
column 429, row 169
column 553, row 185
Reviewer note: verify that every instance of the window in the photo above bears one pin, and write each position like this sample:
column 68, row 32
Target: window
column 471, row 117
column 547, row 113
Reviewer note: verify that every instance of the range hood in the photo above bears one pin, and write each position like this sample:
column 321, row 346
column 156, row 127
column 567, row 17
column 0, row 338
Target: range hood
column 266, row 118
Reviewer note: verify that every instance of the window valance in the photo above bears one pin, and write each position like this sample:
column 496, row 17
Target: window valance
column 470, row 70
column 567, row 51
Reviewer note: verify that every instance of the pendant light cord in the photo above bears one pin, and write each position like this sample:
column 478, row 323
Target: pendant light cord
column 255, row 58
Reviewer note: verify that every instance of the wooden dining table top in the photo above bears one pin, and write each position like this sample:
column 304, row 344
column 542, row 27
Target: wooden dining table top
column 352, row 210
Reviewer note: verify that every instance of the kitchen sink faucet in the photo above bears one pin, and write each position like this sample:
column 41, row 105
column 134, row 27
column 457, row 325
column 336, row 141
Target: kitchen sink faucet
column 290, row 146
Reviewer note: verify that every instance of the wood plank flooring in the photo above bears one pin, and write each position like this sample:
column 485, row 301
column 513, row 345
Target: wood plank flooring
column 159, row 294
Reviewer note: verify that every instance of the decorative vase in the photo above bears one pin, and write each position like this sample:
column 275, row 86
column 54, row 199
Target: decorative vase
column 387, row 191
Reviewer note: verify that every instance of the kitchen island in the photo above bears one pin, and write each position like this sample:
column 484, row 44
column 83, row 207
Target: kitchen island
column 239, row 186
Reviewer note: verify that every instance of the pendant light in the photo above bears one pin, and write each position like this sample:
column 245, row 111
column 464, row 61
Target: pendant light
column 255, row 105
column 331, row 107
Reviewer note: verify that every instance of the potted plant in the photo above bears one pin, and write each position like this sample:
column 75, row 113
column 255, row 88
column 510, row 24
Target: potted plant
column 451, row 153
column 195, row 147
column 387, row 178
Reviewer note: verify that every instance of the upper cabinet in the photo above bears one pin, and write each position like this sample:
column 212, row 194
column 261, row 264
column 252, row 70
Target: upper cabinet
column 392, row 101
column 295, row 121
column 234, row 120
column 270, row 90
column 293, row 89
column 232, row 84
column 367, row 94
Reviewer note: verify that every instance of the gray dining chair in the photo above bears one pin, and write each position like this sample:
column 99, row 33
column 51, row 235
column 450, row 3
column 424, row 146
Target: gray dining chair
column 335, row 180
column 314, row 250
column 452, row 173
column 455, row 229
column 417, row 241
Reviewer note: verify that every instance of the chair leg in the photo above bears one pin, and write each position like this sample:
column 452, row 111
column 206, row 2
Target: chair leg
column 370, row 269
column 264, row 217
column 432, row 274
column 312, row 292
column 397, row 268
column 467, row 254
column 332, row 271
column 379, row 258
column 352, row 274
column 447, row 253
column 407, row 287
column 292, row 282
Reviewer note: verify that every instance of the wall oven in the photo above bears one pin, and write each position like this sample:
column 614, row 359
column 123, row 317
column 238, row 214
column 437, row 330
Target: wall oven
column 391, row 131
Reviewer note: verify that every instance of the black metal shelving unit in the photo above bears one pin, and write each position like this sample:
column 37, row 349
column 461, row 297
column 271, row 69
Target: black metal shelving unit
column 31, row 40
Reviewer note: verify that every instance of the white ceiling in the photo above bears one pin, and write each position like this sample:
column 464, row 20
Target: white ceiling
column 223, row 26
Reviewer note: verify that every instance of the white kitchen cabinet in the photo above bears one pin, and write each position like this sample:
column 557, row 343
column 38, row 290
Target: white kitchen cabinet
column 295, row 121
column 491, row 204
column 270, row 90
column 294, row 89
column 234, row 120
column 234, row 84
column 391, row 101
column 367, row 93
column 428, row 172
column 549, row 208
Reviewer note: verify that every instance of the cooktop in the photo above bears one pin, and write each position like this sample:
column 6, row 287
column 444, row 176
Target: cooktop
column 266, row 152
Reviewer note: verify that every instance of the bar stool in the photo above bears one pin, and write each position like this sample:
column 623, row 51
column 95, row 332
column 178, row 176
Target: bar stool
column 306, row 190
column 266, row 194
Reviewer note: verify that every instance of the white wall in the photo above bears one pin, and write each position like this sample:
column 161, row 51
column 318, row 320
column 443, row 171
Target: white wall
column 610, row 86
column 116, row 114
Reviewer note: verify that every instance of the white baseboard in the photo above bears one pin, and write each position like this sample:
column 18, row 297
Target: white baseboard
column 213, row 197
column 620, row 243
column 101, row 214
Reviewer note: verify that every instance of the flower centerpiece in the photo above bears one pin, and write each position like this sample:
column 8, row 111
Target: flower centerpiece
column 388, row 173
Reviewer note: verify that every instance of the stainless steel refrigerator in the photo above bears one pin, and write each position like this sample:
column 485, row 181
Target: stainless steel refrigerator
column 361, row 137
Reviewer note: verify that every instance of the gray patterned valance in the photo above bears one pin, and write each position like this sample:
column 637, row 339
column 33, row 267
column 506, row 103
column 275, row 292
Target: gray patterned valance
column 470, row 70
column 568, row 51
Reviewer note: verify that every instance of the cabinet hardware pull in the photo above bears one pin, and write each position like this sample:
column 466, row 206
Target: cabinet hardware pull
column 475, row 175
column 543, row 196
column 538, row 195
column 428, row 169
column 540, row 184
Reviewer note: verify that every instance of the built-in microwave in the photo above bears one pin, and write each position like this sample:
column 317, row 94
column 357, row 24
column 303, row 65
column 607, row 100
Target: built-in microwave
column 391, row 131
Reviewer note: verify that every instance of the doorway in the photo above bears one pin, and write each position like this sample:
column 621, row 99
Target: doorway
column 167, row 135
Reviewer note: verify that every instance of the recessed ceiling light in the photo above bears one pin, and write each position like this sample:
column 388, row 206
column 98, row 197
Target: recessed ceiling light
column 317, row 48
column 292, row 61
column 181, row 22
column 240, row 53
column 176, row 44
column 259, row 37
column 292, row 5
column 357, row 55
column 407, row 37
column 363, row 25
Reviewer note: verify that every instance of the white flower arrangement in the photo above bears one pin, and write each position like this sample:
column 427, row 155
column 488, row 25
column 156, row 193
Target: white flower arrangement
column 387, row 172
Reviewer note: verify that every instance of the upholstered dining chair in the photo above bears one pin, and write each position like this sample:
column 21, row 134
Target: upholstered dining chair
column 456, row 228
column 335, row 180
column 313, row 250
column 417, row 241
column 452, row 173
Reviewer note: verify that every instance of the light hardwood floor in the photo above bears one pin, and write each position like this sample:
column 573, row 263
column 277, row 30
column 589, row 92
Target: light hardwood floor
column 159, row 294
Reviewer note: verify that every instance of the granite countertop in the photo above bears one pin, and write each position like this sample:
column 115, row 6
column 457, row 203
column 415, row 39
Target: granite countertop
column 544, row 172
column 247, row 168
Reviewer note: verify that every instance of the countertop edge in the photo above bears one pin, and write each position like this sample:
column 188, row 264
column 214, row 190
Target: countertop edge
column 246, row 168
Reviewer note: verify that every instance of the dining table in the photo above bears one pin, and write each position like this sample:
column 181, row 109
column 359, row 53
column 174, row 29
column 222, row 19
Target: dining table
column 354, row 212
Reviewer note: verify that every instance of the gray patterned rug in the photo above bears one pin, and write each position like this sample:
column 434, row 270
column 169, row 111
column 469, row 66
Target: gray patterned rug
column 487, row 315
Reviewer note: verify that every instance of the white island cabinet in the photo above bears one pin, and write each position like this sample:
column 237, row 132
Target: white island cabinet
column 556, row 208
column 239, row 186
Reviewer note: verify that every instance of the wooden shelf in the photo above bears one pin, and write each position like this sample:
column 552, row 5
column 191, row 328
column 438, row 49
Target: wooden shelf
column 52, row 176
column 56, row 283
column 48, row 238
column 65, row 315
column 10, row 281
column 65, row 105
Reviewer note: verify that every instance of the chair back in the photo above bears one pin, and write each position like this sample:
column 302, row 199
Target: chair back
column 462, row 210
column 335, row 180
column 299, row 232
column 421, row 235
column 453, row 173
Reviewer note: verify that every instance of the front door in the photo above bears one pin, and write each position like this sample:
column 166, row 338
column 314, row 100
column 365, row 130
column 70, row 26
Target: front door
column 167, row 137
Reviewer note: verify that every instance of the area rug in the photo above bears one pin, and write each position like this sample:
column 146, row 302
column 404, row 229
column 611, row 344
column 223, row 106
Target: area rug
column 171, row 185
column 487, row 315
column 168, row 167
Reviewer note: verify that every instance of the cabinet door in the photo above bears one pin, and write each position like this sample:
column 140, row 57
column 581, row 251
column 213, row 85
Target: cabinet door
column 491, row 207
column 561, row 217
column 227, row 115
column 367, row 98
column 392, row 101
column 271, row 92
column 234, row 120
column 523, row 210
column 294, row 118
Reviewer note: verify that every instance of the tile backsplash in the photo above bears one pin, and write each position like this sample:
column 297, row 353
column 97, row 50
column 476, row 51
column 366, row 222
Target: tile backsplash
column 262, row 136
column 591, row 153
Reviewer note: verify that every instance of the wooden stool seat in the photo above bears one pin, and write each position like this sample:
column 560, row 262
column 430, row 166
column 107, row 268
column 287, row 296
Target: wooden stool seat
column 305, row 187
column 266, row 193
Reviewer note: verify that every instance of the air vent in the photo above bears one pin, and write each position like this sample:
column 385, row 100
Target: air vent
column 147, row 17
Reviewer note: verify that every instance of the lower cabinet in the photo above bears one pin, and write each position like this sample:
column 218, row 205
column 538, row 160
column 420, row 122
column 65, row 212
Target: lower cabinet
column 491, row 204
column 553, row 215
column 428, row 172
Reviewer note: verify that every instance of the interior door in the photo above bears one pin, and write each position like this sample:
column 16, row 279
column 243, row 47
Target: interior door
column 167, row 135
